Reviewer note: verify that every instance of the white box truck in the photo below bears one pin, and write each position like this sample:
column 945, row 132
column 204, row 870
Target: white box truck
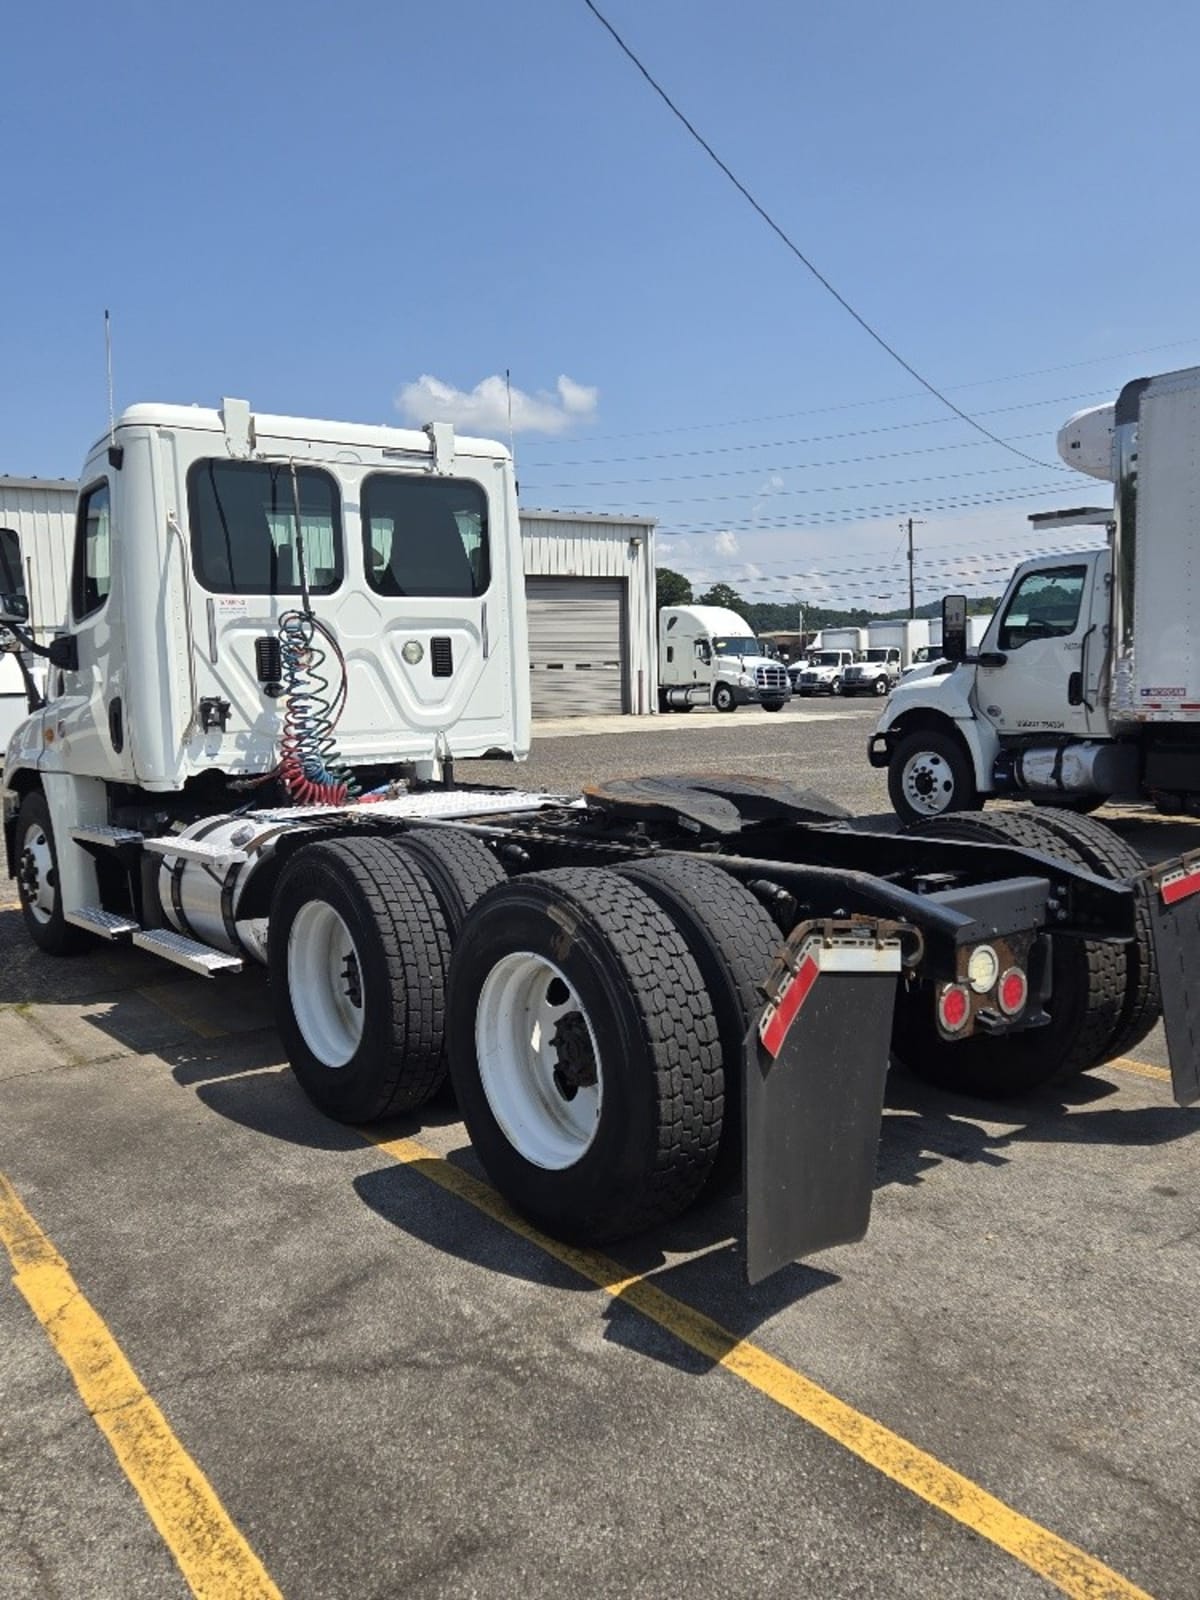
column 830, row 653
column 708, row 655
column 281, row 630
column 890, row 649
column 1087, row 682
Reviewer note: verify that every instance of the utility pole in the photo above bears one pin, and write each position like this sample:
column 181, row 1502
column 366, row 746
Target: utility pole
column 913, row 522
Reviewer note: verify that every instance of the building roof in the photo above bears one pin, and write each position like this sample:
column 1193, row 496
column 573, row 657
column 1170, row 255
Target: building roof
column 60, row 485
column 589, row 516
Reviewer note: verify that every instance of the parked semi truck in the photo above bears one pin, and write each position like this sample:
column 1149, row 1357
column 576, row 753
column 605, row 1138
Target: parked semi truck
column 1087, row 682
column 708, row 655
column 890, row 650
column 283, row 632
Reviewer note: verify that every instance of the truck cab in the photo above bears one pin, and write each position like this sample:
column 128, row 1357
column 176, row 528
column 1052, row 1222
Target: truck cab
column 708, row 655
column 822, row 672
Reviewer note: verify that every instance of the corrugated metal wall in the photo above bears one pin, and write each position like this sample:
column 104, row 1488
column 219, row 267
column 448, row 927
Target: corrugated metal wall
column 560, row 545
column 43, row 514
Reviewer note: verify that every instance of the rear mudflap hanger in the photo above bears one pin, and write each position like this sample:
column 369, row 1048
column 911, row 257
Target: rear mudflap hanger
column 812, row 1088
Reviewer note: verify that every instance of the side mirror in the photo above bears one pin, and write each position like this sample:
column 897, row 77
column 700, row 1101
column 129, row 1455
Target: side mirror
column 954, row 627
column 14, row 608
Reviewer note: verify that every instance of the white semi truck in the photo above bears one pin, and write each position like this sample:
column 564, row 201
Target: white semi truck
column 1087, row 682
column 708, row 655
column 890, row 650
column 282, row 632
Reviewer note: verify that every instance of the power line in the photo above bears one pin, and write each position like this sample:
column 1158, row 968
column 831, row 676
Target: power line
column 795, row 248
column 722, row 569
column 778, row 466
column 819, row 519
column 883, row 400
column 711, row 573
column 817, row 438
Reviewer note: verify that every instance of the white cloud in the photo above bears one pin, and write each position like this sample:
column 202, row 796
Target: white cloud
column 725, row 544
column 485, row 408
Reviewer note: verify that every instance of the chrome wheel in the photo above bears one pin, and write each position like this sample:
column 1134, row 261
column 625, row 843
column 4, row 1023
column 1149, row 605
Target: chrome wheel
column 538, row 1061
column 325, row 985
column 36, row 874
column 927, row 782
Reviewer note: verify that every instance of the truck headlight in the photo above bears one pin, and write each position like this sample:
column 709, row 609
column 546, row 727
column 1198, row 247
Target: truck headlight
column 746, row 681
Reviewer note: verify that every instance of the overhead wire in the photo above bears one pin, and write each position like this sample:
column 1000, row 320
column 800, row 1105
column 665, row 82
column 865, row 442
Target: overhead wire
column 795, row 249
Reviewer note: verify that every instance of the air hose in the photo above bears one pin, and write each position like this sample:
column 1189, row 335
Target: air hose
column 310, row 768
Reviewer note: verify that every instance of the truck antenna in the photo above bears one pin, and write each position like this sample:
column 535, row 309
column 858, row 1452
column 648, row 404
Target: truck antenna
column 112, row 424
column 512, row 448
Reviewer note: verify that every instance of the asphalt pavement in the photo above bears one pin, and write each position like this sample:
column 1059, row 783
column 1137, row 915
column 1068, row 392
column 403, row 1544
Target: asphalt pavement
column 381, row 1384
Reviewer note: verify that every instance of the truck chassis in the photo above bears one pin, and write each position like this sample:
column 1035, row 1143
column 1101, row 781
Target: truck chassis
column 664, row 979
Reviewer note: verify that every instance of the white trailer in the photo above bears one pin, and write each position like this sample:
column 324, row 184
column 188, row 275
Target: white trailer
column 281, row 633
column 890, row 649
column 708, row 655
column 1087, row 682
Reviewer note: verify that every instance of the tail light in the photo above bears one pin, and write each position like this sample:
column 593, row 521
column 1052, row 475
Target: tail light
column 1013, row 992
column 954, row 1007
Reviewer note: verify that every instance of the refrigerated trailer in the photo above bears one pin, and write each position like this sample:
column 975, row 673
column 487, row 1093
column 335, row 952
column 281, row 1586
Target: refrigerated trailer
column 282, row 634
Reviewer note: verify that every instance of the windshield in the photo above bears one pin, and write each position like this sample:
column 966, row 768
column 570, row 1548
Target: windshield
column 878, row 655
column 825, row 658
column 738, row 647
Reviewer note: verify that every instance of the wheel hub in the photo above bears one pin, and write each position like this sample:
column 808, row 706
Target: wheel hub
column 575, row 1066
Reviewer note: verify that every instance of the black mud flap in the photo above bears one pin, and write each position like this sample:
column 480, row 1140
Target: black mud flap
column 813, row 1093
column 1175, row 914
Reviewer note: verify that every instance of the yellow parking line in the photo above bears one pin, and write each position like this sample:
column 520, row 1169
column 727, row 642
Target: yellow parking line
column 213, row 1556
column 1072, row 1570
column 1140, row 1069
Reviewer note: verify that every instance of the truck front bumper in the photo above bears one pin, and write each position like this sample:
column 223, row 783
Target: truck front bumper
column 755, row 697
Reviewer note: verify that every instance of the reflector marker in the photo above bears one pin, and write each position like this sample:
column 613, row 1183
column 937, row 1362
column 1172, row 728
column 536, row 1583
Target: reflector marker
column 778, row 1018
column 1180, row 884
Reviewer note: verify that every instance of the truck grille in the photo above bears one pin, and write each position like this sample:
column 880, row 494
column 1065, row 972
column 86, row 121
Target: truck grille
column 771, row 678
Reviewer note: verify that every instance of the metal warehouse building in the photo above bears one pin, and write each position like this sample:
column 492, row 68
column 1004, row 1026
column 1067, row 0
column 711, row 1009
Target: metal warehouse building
column 41, row 513
column 589, row 582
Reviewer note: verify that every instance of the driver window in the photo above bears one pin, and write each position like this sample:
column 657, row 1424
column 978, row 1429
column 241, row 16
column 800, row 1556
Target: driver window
column 702, row 650
column 1045, row 606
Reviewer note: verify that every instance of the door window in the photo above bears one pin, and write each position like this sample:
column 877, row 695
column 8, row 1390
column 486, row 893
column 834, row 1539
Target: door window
column 1045, row 606
column 91, row 572
column 12, row 576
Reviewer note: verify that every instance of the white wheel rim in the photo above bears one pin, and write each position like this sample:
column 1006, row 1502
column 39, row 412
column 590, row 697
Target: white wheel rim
column 533, row 1040
column 927, row 783
column 36, row 872
column 325, row 983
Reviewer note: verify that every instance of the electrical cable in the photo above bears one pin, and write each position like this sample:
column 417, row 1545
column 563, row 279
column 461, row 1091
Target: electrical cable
column 795, row 249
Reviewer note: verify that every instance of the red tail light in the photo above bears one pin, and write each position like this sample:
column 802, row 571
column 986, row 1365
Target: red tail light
column 1013, row 992
column 954, row 1007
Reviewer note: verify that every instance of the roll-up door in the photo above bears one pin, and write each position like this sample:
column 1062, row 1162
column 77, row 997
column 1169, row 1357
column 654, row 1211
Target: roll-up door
column 577, row 654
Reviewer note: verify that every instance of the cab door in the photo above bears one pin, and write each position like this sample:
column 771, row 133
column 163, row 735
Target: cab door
column 1041, row 660
column 85, row 728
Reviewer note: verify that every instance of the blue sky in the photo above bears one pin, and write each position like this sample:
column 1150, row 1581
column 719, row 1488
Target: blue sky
column 323, row 208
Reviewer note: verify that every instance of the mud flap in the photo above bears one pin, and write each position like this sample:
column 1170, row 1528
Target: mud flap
column 1175, row 915
column 813, row 1094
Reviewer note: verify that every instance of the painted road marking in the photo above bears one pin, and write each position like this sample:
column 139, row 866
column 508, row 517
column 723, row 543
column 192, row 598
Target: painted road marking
column 1140, row 1069
column 213, row 1556
column 1072, row 1570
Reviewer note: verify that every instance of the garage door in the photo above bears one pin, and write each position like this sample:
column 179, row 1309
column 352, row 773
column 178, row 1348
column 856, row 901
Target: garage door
column 576, row 645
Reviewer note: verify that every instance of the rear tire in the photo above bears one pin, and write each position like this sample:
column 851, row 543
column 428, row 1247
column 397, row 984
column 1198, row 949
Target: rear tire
column 38, row 887
column 733, row 940
column 460, row 868
column 929, row 776
column 1079, row 805
column 358, row 954
column 584, row 1054
column 1107, row 855
column 1085, row 1008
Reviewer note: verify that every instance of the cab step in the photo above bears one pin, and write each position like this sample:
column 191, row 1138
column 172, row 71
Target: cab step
column 108, row 924
column 103, row 834
column 195, row 850
column 184, row 952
